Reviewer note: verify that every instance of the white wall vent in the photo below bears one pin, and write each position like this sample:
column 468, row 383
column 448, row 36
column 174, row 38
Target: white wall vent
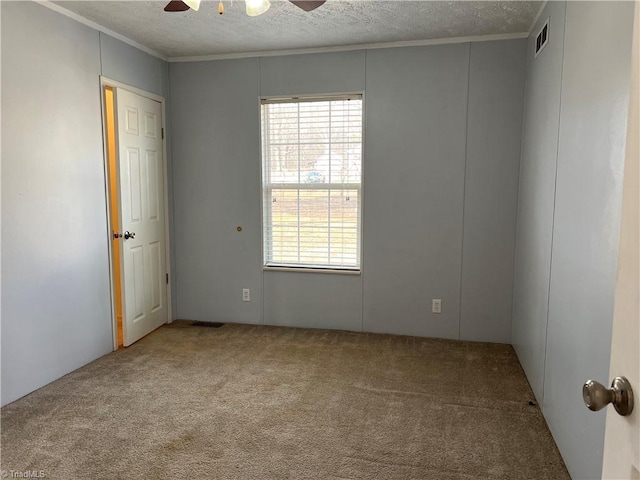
column 543, row 37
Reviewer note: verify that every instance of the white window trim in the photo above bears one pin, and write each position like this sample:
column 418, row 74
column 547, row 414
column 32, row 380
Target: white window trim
column 359, row 244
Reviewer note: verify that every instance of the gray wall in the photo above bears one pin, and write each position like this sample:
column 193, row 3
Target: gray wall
column 214, row 110
column 56, row 307
column 595, row 89
column 493, row 140
column 577, row 221
column 426, row 108
column 414, row 176
column 536, row 197
column 133, row 67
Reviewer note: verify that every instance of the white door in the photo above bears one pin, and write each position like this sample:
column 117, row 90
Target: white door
column 622, row 437
column 142, row 215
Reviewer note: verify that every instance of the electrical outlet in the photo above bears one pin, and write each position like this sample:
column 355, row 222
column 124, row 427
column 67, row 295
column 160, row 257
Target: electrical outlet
column 436, row 305
column 246, row 295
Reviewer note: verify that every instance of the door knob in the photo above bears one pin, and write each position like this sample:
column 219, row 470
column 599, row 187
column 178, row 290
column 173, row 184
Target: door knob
column 128, row 235
column 596, row 396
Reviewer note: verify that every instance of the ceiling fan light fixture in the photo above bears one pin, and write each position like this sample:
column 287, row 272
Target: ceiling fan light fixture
column 193, row 4
column 257, row 7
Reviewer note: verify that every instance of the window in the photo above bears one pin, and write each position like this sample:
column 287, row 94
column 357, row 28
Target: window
column 312, row 181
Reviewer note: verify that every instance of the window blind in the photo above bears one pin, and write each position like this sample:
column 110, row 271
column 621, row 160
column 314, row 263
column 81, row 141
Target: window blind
column 312, row 179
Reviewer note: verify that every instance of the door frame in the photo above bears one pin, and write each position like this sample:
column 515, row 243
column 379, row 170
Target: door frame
column 620, row 453
column 108, row 82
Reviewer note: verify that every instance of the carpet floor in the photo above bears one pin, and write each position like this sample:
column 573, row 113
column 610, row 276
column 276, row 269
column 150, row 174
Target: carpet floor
column 259, row 402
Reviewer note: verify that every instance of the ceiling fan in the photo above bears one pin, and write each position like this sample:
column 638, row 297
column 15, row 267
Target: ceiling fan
column 254, row 7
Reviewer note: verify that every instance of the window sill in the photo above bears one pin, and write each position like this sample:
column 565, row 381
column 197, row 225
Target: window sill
column 334, row 271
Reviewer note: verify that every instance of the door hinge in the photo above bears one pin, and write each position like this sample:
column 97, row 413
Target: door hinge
column 167, row 279
column 162, row 129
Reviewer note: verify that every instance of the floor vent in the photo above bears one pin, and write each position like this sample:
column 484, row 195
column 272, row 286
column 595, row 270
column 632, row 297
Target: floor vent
column 207, row 324
column 543, row 37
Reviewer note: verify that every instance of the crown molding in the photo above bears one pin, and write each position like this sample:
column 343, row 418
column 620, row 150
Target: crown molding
column 348, row 48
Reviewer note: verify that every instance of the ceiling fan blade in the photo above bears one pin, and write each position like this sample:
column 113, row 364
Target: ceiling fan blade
column 308, row 5
column 176, row 6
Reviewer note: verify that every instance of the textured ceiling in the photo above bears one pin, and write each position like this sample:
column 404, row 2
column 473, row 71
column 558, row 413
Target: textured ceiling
column 285, row 26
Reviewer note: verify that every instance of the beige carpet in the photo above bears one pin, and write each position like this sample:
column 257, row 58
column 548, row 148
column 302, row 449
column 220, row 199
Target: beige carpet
column 255, row 402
